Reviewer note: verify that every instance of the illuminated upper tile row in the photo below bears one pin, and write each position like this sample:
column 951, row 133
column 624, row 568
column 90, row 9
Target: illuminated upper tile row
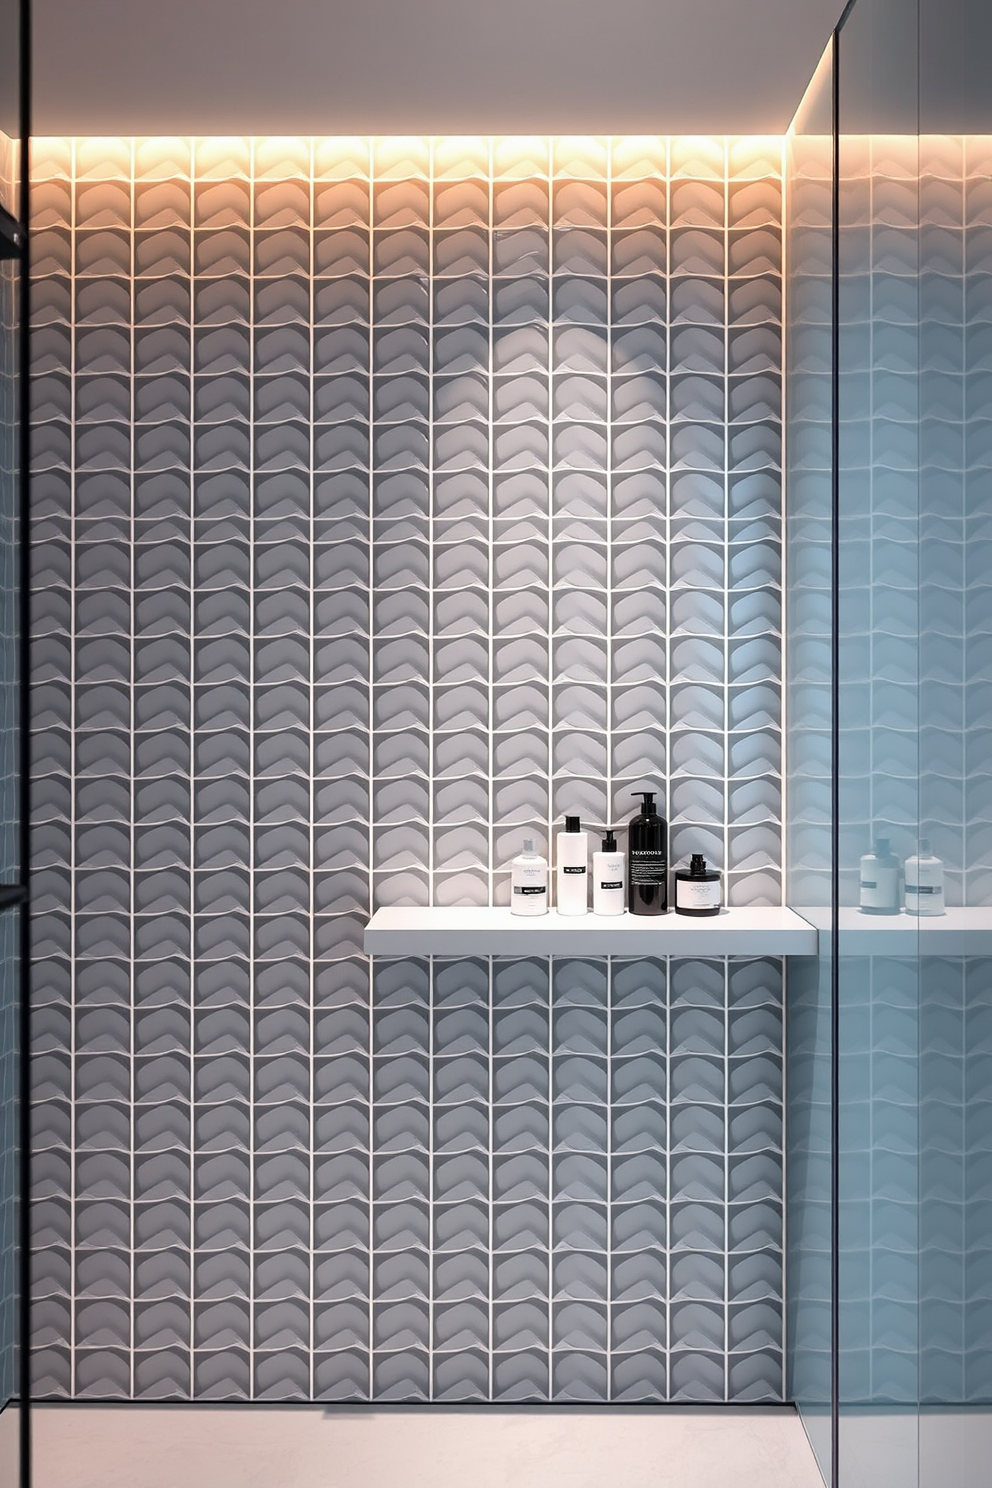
column 397, row 158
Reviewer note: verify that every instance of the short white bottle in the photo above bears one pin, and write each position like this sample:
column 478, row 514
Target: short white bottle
column 572, row 877
column 924, row 882
column 529, row 881
column 609, row 888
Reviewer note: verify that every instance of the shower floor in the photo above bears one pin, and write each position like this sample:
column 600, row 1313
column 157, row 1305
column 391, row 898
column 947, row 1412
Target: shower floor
column 136, row 1446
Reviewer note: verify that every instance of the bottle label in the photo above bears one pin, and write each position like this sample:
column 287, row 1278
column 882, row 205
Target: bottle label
column 881, row 891
column 925, row 898
column 610, row 885
column 648, row 867
column 925, row 886
column 566, row 868
column 697, row 895
column 530, row 888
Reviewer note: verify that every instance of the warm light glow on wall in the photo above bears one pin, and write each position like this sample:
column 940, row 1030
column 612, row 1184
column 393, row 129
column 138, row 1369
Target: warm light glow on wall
column 451, row 158
column 397, row 496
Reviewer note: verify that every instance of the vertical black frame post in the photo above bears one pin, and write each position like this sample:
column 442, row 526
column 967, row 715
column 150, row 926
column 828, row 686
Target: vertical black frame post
column 24, row 729
column 835, row 775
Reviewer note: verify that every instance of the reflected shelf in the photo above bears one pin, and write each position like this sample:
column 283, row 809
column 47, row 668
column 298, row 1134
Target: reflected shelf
column 961, row 931
column 767, row 930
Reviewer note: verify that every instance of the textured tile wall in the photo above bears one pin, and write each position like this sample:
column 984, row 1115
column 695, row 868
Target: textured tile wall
column 879, row 753
column 9, row 1145
column 975, row 575
column 809, row 499
column 916, row 1228
column 879, row 1152
column 956, row 775
column 956, row 507
column 955, row 1329
column 916, row 306
column 956, row 803
column 879, row 533
column 9, row 535
column 392, row 500
column 9, row 174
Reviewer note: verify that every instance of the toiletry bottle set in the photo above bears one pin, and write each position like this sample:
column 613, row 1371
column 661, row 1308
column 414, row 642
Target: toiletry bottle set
column 879, row 887
column 644, row 886
column 640, row 886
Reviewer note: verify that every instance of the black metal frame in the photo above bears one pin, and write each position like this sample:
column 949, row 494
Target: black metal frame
column 834, row 776
column 18, row 894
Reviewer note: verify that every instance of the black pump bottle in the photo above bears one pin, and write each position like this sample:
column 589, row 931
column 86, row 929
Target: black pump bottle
column 647, row 860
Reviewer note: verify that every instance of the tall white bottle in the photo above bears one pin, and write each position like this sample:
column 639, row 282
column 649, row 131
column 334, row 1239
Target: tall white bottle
column 572, row 885
column 529, row 882
column 609, row 889
column 924, row 882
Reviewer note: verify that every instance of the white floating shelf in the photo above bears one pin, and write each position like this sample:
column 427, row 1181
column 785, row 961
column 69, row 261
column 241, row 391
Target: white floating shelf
column 764, row 931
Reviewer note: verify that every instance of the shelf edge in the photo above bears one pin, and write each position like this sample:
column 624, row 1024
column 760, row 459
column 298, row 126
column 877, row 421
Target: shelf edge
column 586, row 938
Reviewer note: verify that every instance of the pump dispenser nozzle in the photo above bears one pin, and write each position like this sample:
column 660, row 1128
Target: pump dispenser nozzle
column 609, row 841
column 647, row 802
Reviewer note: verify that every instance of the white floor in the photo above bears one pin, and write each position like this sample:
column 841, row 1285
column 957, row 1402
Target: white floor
column 133, row 1446
column 10, row 1446
column 937, row 1448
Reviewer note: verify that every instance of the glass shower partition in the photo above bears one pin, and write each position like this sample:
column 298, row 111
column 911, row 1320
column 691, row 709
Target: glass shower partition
column 809, row 752
column 904, row 1324
column 878, row 717
column 914, row 658
column 955, row 1077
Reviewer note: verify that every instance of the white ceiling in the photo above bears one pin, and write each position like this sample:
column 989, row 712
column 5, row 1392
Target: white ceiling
column 424, row 66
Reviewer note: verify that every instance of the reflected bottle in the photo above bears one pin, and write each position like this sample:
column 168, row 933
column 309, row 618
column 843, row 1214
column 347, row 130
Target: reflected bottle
column 879, row 884
column 924, row 882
